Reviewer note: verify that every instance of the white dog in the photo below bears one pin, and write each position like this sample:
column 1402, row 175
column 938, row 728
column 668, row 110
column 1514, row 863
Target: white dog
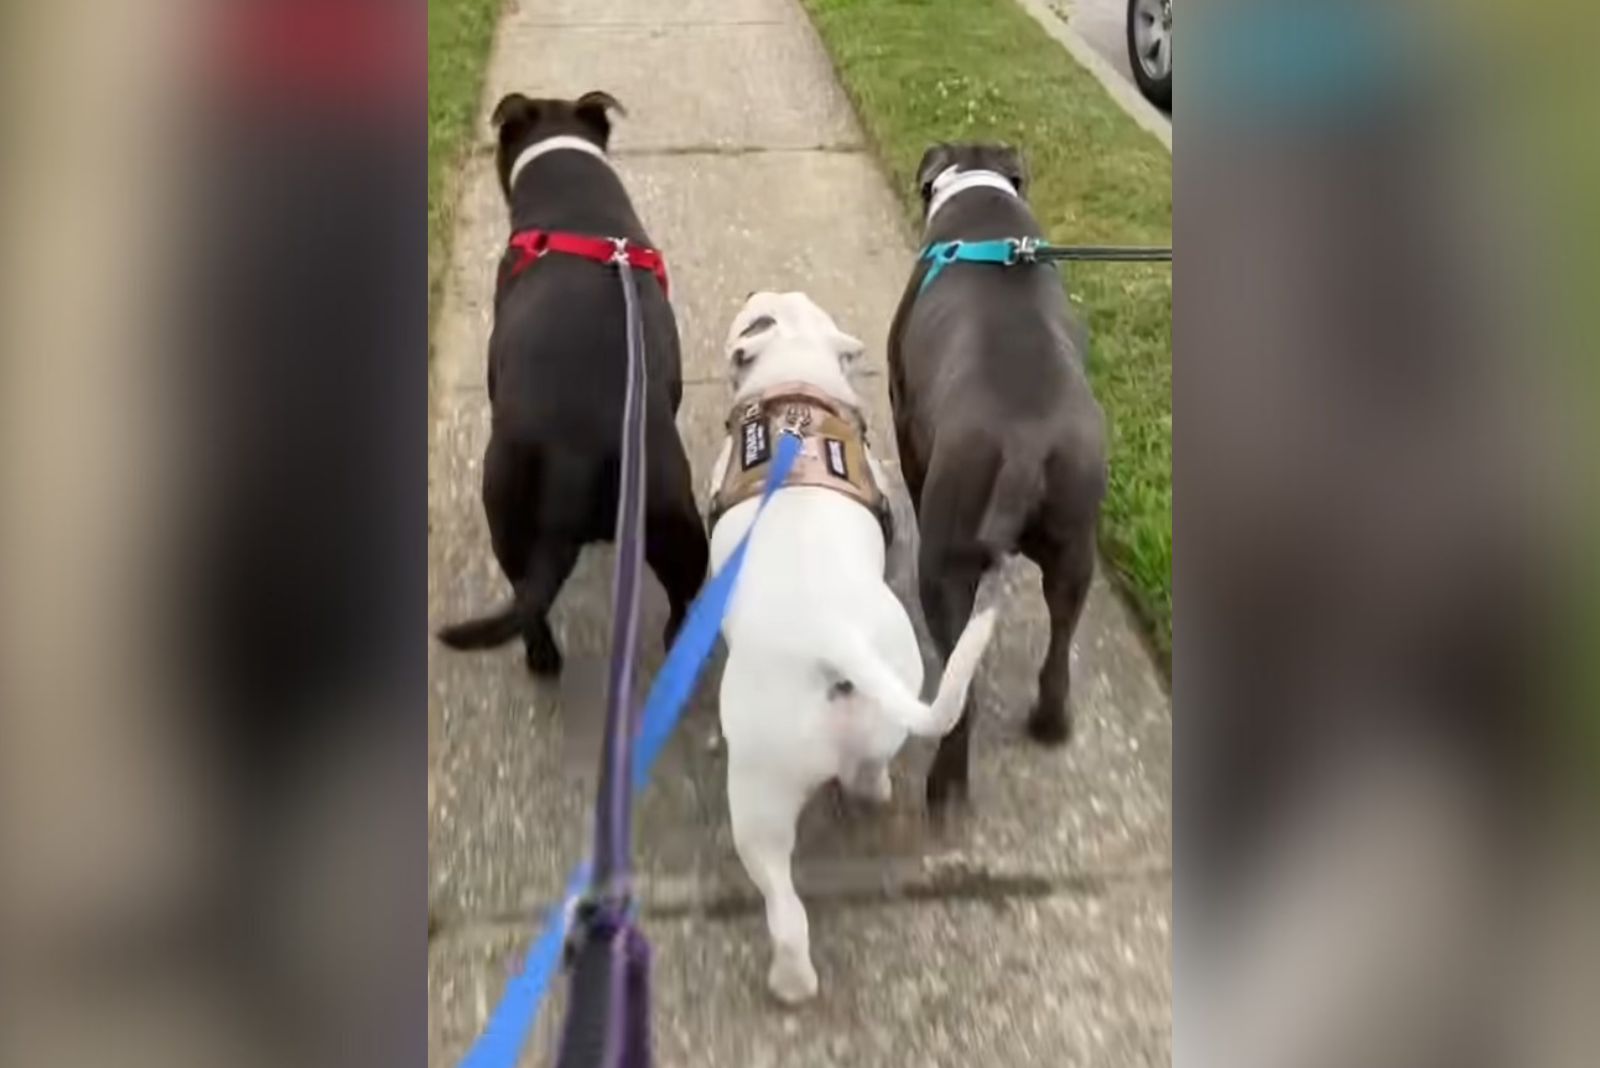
column 823, row 670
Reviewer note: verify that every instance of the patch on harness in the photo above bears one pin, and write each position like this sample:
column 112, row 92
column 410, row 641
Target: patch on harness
column 755, row 446
column 833, row 454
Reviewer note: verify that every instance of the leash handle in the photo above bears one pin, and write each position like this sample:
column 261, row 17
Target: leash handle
column 608, row 1022
column 584, row 1032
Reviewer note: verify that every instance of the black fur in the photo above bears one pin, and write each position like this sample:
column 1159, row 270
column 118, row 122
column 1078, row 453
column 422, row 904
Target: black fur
column 557, row 378
column 1001, row 441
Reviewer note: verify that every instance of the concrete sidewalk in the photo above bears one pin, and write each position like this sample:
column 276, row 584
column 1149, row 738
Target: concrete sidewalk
column 1034, row 932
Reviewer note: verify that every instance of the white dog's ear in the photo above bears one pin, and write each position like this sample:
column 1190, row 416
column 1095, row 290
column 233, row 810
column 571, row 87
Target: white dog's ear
column 850, row 349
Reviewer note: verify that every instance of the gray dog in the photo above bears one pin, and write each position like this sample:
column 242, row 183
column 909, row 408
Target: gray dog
column 1001, row 440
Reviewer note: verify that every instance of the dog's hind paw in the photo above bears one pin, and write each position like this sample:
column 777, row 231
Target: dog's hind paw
column 792, row 980
column 1050, row 725
column 945, row 791
column 544, row 657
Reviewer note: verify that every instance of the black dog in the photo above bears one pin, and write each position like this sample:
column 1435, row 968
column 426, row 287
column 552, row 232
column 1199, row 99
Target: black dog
column 557, row 380
column 1001, row 440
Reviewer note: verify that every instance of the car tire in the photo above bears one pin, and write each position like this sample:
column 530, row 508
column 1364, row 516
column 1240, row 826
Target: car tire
column 1156, row 86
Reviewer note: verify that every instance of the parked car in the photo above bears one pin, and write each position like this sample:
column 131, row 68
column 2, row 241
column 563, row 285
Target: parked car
column 1150, row 49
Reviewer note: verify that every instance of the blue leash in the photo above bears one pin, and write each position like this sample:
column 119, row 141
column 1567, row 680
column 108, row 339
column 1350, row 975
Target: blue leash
column 513, row 1018
column 1009, row 251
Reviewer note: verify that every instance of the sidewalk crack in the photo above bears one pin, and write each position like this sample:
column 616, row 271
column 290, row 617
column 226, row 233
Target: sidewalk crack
column 959, row 883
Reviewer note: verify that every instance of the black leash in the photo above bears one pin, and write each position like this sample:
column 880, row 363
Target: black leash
column 1044, row 252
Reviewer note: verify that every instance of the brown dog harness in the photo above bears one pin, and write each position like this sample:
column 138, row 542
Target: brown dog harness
column 833, row 452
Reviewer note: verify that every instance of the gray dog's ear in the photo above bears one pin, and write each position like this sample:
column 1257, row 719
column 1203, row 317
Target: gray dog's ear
column 513, row 108
column 934, row 161
column 592, row 109
column 1014, row 167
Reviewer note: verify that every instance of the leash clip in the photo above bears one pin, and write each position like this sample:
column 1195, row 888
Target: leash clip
column 598, row 910
column 796, row 420
column 1024, row 250
column 619, row 254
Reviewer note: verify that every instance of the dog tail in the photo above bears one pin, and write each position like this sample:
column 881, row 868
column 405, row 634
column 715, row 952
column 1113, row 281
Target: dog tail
column 855, row 660
column 546, row 490
column 485, row 632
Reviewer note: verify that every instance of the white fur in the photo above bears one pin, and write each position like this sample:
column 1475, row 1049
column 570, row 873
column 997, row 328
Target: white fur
column 552, row 144
column 811, row 609
column 953, row 181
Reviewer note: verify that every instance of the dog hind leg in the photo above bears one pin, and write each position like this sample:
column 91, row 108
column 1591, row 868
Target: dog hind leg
column 869, row 780
column 764, row 809
column 1067, row 566
column 677, row 552
column 537, row 562
column 949, row 587
column 549, row 563
column 675, row 544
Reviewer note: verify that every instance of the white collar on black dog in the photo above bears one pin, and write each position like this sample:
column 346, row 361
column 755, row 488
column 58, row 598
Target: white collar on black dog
column 953, row 180
column 552, row 144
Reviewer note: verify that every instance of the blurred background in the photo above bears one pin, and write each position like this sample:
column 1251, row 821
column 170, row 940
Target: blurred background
column 1386, row 748
column 213, row 305
column 212, row 753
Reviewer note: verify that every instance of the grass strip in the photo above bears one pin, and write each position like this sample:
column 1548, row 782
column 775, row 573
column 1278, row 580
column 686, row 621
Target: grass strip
column 460, row 33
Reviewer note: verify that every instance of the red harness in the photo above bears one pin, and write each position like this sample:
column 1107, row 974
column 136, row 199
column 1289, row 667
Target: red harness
column 534, row 244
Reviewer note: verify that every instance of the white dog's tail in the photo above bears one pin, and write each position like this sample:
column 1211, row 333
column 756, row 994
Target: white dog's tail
column 855, row 661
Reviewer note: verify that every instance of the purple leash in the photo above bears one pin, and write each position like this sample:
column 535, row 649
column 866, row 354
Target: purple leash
column 608, row 1019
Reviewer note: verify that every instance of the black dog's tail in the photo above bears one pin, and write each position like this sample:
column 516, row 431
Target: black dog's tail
column 545, row 490
column 485, row 632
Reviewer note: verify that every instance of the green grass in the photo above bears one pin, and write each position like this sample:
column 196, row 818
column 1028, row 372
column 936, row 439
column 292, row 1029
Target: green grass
column 921, row 71
column 459, row 35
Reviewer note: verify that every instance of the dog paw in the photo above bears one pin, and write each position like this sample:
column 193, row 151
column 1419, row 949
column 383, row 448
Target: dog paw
column 1050, row 725
column 945, row 791
column 543, row 658
column 791, row 979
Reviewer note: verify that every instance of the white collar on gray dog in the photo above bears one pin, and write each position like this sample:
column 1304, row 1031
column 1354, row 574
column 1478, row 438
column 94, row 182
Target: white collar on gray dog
column 952, row 180
column 552, row 144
